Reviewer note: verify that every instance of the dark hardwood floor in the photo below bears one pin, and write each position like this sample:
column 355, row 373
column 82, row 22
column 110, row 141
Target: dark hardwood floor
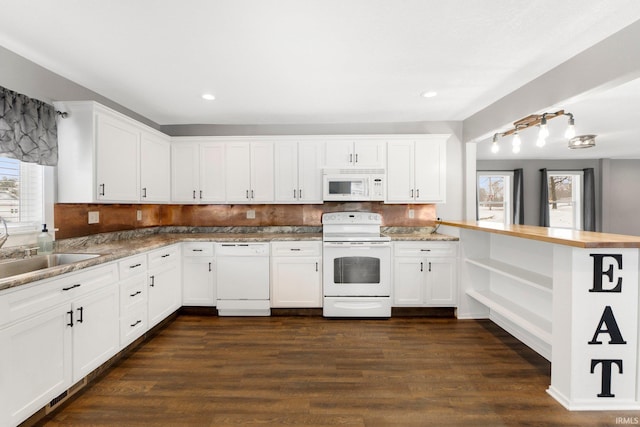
column 311, row 371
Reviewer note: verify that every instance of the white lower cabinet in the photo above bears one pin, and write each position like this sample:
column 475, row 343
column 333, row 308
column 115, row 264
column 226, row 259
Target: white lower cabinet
column 54, row 333
column 198, row 274
column 296, row 274
column 133, row 298
column 164, row 283
column 95, row 330
column 425, row 274
column 35, row 364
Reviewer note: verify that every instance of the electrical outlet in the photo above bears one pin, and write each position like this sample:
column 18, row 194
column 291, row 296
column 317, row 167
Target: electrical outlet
column 139, row 215
column 94, row 217
column 412, row 213
column 251, row 214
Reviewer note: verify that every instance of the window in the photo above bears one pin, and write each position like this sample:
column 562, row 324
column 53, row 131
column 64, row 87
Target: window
column 494, row 197
column 21, row 195
column 565, row 199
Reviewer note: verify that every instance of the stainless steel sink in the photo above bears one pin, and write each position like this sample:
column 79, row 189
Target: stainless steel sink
column 27, row 265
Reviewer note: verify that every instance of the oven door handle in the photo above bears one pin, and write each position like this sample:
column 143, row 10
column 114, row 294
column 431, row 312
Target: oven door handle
column 356, row 246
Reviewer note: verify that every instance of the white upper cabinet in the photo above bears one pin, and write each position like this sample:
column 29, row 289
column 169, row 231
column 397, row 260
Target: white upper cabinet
column 298, row 172
column 359, row 153
column 212, row 172
column 117, row 157
column 101, row 156
column 155, row 157
column 417, row 170
column 185, row 172
column 250, row 172
column 197, row 171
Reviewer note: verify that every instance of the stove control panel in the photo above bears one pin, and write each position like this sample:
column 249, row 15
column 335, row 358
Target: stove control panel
column 360, row 218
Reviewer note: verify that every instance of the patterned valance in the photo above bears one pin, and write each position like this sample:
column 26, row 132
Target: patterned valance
column 28, row 130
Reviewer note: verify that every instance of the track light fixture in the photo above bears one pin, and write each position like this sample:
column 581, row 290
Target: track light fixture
column 539, row 120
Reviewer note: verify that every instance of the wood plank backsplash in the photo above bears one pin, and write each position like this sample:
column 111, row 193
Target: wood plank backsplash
column 71, row 219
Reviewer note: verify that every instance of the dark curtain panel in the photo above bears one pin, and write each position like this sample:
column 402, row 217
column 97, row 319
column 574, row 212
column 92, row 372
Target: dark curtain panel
column 589, row 200
column 544, row 199
column 28, row 130
column 518, row 197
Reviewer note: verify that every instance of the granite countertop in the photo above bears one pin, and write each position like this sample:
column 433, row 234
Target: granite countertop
column 122, row 245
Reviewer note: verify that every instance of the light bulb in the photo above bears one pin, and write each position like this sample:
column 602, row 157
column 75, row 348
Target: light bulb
column 495, row 147
column 544, row 130
column 516, row 143
column 541, row 141
column 571, row 129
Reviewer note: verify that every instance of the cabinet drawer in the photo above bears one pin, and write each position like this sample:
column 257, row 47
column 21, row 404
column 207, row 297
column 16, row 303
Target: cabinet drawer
column 422, row 249
column 296, row 248
column 133, row 265
column 198, row 249
column 133, row 292
column 42, row 295
column 161, row 257
column 132, row 326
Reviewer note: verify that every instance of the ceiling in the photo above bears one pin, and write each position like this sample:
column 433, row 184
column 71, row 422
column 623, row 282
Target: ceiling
column 306, row 61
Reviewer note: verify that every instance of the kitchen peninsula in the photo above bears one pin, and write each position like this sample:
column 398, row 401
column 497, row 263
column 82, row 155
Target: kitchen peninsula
column 571, row 296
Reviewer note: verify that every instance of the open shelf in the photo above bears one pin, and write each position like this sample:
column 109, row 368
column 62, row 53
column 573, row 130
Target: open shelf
column 536, row 280
column 532, row 323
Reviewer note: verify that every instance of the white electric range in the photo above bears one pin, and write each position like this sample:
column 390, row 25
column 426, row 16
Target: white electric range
column 356, row 265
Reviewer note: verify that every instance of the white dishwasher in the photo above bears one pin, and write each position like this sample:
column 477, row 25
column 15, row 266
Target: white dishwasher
column 242, row 278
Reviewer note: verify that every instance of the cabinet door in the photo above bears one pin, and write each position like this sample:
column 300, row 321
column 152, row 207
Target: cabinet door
column 310, row 161
column 400, row 172
column 184, row 173
column 262, row 189
column 155, row 162
column 296, row 282
column 441, row 282
column 198, row 287
column 35, row 364
column 408, row 281
column 339, row 154
column 96, row 333
column 431, row 171
column 238, row 176
column 117, row 156
column 286, row 172
column 212, row 172
column 164, row 293
column 369, row 154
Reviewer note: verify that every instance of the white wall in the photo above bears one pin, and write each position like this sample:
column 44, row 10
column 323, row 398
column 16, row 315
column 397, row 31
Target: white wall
column 621, row 196
column 23, row 76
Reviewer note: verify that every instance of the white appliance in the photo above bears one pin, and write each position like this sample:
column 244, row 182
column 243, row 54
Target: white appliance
column 353, row 184
column 242, row 278
column 356, row 265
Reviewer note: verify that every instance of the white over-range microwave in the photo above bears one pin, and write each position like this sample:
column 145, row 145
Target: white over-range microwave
column 353, row 184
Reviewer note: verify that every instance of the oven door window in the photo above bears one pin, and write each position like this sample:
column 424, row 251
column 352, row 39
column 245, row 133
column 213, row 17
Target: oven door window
column 358, row 269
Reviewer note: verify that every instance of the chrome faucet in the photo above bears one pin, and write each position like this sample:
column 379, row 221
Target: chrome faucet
column 4, row 238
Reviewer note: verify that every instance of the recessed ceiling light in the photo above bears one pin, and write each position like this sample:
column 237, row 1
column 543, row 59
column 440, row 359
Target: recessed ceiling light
column 429, row 94
column 208, row 97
